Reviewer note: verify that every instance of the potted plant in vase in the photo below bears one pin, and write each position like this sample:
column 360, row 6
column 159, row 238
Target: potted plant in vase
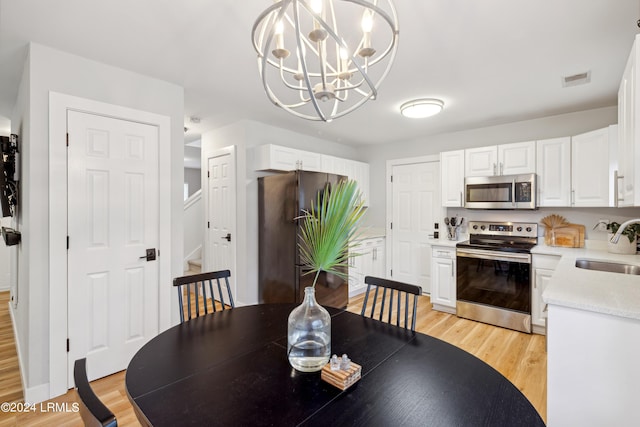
column 326, row 233
column 623, row 246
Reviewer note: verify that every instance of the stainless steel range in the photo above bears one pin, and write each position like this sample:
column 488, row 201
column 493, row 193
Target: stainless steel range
column 494, row 274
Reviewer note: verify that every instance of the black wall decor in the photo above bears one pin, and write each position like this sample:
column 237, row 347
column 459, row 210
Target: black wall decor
column 9, row 156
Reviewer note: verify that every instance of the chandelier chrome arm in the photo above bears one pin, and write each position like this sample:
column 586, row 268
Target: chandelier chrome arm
column 328, row 78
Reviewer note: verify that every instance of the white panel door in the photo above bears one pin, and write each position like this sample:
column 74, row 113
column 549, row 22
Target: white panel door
column 221, row 216
column 416, row 207
column 113, row 199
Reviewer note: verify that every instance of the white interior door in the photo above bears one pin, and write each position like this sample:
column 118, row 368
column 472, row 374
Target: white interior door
column 221, row 215
column 113, row 204
column 416, row 207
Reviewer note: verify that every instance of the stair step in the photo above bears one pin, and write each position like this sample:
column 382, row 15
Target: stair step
column 195, row 266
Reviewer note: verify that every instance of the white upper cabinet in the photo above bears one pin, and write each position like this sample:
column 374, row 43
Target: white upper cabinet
column 279, row 158
column 482, row 161
column 518, row 158
column 591, row 170
column 628, row 181
column 352, row 169
column 361, row 175
column 452, row 178
column 505, row 159
column 553, row 167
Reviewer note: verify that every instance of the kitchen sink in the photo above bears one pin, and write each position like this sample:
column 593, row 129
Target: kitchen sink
column 612, row 267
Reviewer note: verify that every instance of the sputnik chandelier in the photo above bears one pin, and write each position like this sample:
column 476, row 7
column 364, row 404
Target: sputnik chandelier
column 322, row 59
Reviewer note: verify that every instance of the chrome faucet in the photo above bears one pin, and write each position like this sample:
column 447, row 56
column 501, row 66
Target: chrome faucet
column 624, row 225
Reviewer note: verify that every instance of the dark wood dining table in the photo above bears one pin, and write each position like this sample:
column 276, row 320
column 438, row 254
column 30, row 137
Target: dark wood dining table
column 230, row 368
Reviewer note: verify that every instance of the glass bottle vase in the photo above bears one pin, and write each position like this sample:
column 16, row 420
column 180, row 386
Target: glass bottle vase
column 309, row 334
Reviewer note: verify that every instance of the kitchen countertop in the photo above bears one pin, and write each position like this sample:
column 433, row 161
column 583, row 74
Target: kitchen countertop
column 445, row 242
column 369, row 233
column 597, row 291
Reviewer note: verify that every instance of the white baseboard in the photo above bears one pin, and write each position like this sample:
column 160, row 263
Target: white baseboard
column 16, row 342
column 357, row 291
column 36, row 394
column 444, row 308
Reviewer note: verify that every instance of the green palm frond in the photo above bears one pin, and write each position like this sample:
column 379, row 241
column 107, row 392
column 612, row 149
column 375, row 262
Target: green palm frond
column 328, row 229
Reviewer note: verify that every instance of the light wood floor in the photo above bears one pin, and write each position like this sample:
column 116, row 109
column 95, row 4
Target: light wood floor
column 519, row 357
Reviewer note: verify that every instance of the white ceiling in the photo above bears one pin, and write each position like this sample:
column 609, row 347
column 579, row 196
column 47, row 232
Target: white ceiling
column 491, row 61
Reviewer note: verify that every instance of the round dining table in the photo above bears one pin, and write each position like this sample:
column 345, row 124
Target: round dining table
column 230, row 368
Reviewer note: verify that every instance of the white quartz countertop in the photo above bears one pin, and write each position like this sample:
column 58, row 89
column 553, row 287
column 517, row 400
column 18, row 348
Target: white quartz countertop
column 597, row 291
column 444, row 242
column 369, row 233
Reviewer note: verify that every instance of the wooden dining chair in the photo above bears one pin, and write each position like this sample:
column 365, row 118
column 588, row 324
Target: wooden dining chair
column 92, row 410
column 393, row 288
column 197, row 285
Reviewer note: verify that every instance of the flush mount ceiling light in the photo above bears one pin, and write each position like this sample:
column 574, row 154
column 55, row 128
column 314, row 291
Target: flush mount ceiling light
column 322, row 59
column 421, row 108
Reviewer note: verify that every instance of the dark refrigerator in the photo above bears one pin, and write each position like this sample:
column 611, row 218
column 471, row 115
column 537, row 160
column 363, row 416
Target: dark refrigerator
column 282, row 199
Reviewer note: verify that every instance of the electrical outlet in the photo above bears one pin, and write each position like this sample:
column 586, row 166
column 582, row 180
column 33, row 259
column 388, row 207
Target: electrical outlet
column 602, row 224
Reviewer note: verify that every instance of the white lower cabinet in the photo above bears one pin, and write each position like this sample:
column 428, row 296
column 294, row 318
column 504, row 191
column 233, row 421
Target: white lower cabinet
column 443, row 278
column 592, row 369
column 368, row 261
column 543, row 268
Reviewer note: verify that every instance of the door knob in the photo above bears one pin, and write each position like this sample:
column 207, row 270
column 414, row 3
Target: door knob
column 151, row 255
column 227, row 237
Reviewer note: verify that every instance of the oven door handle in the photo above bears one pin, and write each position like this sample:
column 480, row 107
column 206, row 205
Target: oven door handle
column 502, row 256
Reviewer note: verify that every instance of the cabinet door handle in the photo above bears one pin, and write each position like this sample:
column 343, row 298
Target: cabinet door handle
column 495, row 169
column 501, row 167
column 461, row 200
column 573, row 197
column 616, row 188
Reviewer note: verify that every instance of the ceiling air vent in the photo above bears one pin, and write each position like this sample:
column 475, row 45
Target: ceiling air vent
column 576, row 79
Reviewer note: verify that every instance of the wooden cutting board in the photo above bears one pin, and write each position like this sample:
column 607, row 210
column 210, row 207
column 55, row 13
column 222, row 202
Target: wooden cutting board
column 571, row 236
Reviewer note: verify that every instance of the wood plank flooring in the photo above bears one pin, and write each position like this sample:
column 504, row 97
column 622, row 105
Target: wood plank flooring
column 519, row 357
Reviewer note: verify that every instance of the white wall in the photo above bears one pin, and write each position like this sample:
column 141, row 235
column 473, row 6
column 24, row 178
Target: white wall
column 193, row 226
column 49, row 70
column 543, row 128
column 245, row 135
column 5, row 256
column 21, row 125
column 192, row 177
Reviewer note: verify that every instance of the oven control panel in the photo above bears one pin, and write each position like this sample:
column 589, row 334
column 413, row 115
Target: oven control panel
column 520, row 229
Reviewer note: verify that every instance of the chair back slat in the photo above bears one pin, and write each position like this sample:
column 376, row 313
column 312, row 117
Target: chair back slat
column 203, row 283
column 401, row 290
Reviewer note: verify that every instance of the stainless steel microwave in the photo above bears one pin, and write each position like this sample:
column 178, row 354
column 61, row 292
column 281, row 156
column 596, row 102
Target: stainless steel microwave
column 500, row 192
